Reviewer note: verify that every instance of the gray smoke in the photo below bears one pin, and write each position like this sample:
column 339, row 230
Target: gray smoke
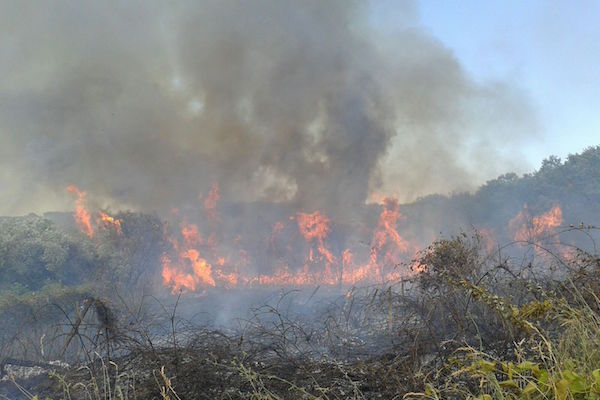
column 145, row 104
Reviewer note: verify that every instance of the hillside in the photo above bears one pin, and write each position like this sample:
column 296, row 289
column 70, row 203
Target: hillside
column 572, row 184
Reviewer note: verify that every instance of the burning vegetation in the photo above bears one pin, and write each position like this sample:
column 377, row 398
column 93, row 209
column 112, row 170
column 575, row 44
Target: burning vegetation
column 301, row 304
column 230, row 231
column 197, row 260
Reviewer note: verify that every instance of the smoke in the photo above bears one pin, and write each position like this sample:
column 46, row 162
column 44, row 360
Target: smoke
column 146, row 104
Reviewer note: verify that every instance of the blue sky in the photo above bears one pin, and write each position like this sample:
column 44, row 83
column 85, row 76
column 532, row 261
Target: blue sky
column 549, row 49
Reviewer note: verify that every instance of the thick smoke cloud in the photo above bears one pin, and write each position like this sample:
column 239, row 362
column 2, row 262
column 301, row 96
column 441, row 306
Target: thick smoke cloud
column 146, row 104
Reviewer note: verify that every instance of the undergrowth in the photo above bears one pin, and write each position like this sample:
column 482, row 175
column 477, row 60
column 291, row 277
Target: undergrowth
column 467, row 325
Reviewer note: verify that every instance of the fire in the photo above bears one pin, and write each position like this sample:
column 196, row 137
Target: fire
column 539, row 228
column 527, row 228
column 201, row 256
column 197, row 258
column 191, row 235
column 189, row 272
column 82, row 215
column 313, row 226
column 386, row 238
column 418, row 267
column 110, row 221
column 83, row 218
column 315, row 229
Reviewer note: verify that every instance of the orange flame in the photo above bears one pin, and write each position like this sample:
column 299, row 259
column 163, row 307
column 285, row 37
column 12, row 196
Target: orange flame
column 198, row 271
column 315, row 229
column 110, row 221
column 82, row 215
column 386, row 237
column 527, row 228
column 188, row 270
column 191, row 235
column 313, row 226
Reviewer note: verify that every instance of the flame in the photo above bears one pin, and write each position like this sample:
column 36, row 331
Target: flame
column 386, row 238
column 201, row 258
column 315, row 228
column 82, row 215
column 536, row 229
column 417, row 267
column 532, row 229
column 387, row 250
column 198, row 260
column 229, row 280
column 190, row 271
column 191, row 235
column 109, row 221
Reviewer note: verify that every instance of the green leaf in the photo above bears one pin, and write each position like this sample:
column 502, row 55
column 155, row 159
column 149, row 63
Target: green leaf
column 562, row 389
column 542, row 377
column 530, row 388
column 487, row 366
column 576, row 382
column 526, row 366
column 508, row 383
column 596, row 376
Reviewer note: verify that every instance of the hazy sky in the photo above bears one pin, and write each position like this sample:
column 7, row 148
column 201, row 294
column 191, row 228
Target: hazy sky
column 551, row 49
column 320, row 104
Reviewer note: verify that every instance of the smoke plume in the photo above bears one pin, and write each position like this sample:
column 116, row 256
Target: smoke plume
column 146, row 104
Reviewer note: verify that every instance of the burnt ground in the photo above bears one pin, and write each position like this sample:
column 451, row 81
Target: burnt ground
column 311, row 343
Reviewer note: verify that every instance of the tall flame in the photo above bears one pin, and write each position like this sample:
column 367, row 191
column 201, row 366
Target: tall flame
column 82, row 215
column 315, row 229
column 386, row 238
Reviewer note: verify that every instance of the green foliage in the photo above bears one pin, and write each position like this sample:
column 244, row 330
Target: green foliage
column 573, row 183
column 54, row 292
column 35, row 252
column 556, row 333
